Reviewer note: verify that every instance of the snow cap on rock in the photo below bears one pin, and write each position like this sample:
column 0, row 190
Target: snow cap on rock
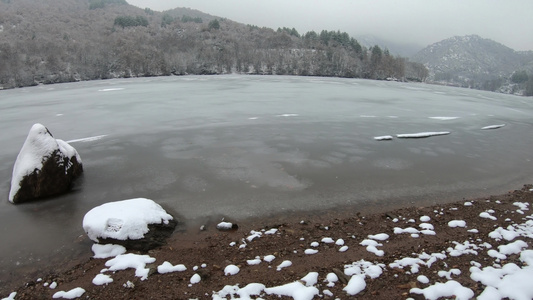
column 122, row 220
column 44, row 166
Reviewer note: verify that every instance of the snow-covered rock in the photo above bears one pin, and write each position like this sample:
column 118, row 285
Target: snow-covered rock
column 138, row 224
column 45, row 167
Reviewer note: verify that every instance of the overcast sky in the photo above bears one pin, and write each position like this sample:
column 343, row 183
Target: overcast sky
column 421, row 22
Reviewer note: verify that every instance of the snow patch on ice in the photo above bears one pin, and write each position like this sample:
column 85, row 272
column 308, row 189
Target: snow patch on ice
column 383, row 138
column 421, row 134
column 88, row 139
column 493, row 127
column 444, row 118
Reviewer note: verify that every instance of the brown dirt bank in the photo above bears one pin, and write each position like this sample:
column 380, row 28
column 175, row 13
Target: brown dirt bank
column 295, row 234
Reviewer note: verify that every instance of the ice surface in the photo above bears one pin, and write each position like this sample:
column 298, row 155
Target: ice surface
column 72, row 294
column 122, row 220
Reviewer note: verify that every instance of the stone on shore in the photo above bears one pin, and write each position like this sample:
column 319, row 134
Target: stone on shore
column 45, row 167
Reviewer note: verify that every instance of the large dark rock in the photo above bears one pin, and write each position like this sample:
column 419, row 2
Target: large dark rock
column 156, row 237
column 44, row 167
column 137, row 224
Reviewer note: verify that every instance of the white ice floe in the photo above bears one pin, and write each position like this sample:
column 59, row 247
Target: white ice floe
column 383, row 138
column 444, row 118
column 343, row 249
column 111, row 89
column 107, row 250
column 493, row 127
column 130, row 260
column 421, row 134
column 457, row 223
column 87, row 139
column 468, row 203
column 122, row 220
column 72, row 294
column 167, row 267
column 231, row 270
column 101, row 279
column 288, row 115
column 449, row 289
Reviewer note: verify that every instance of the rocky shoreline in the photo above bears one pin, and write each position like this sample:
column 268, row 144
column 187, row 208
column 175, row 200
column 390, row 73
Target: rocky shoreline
column 209, row 253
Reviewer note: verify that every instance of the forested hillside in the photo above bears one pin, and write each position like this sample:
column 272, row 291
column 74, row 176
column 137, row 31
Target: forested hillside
column 475, row 62
column 51, row 41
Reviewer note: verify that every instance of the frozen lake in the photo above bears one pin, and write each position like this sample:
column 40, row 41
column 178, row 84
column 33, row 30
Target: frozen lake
column 248, row 146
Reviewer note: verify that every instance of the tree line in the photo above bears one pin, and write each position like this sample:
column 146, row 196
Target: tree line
column 52, row 41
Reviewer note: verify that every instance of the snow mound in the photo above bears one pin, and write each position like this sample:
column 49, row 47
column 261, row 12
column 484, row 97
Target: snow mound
column 123, row 220
column 101, row 279
column 421, row 135
column 167, row 267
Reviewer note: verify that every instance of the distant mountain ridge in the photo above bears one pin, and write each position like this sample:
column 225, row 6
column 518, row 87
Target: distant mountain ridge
column 474, row 62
